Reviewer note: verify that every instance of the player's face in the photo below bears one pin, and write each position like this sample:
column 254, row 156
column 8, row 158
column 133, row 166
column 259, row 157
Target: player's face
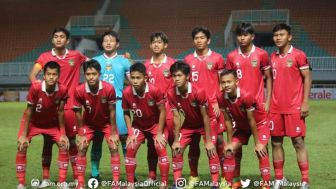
column 281, row 38
column 158, row 46
column 245, row 39
column 229, row 83
column 180, row 79
column 201, row 41
column 60, row 40
column 92, row 76
column 51, row 76
column 138, row 80
column 110, row 44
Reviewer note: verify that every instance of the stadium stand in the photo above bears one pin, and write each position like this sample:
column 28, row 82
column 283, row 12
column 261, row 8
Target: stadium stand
column 29, row 23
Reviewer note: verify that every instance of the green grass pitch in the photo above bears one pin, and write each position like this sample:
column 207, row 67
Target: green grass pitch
column 320, row 141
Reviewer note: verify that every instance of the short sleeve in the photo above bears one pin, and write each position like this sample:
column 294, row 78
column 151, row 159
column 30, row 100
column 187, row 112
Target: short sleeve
column 302, row 61
column 171, row 103
column 127, row 65
column 264, row 61
column 220, row 63
column 229, row 63
column 249, row 103
column 77, row 100
column 32, row 95
column 202, row 99
column 220, row 100
column 111, row 95
column 64, row 95
column 83, row 58
column 125, row 103
column 158, row 96
column 41, row 60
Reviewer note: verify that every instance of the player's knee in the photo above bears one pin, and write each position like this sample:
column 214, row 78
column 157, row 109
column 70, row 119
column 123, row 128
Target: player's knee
column 277, row 142
column 113, row 149
column 298, row 143
column 23, row 149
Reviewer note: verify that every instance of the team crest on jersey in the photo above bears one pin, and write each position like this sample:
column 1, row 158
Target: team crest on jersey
column 150, row 102
column 71, row 62
column 134, row 106
column 108, row 67
column 209, row 65
column 194, row 103
column 254, row 62
column 289, row 63
column 166, row 73
column 39, row 101
column 193, row 67
column 103, row 99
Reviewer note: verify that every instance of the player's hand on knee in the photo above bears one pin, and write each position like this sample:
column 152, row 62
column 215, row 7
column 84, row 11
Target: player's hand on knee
column 23, row 143
column 210, row 148
column 64, row 142
column 114, row 141
column 176, row 148
column 228, row 150
column 82, row 142
column 261, row 150
column 216, row 109
column 131, row 140
column 160, row 140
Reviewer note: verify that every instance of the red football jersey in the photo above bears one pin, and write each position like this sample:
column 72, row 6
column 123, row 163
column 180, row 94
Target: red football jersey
column 205, row 72
column 249, row 70
column 70, row 65
column 144, row 108
column 159, row 75
column 287, row 93
column 189, row 106
column 97, row 113
column 45, row 105
column 237, row 109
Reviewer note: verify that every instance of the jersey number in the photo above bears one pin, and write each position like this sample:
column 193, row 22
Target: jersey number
column 137, row 112
column 239, row 73
column 38, row 107
column 194, row 76
column 108, row 77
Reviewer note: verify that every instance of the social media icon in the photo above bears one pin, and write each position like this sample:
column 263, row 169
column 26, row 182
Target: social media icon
column 35, row 182
column 180, row 183
column 93, row 183
column 245, row 183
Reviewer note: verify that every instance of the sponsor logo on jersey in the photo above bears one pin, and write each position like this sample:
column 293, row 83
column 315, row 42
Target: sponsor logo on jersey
column 238, row 64
column 209, row 65
column 289, row 63
column 108, row 67
column 134, row 106
column 254, row 63
column 71, row 62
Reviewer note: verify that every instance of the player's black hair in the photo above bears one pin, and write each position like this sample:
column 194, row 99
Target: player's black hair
column 111, row 33
column 138, row 67
column 160, row 35
column 228, row 72
column 282, row 26
column 92, row 64
column 244, row 28
column 60, row 29
column 52, row 65
column 202, row 29
column 180, row 66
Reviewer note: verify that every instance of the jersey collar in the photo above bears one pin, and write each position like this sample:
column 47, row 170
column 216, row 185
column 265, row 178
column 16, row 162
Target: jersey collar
column 44, row 88
column 87, row 88
column 136, row 94
column 241, row 53
column 226, row 96
column 115, row 55
column 54, row 53
column 163, row 61
column 188, row 92
column 289, row 52
column 199, row 57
